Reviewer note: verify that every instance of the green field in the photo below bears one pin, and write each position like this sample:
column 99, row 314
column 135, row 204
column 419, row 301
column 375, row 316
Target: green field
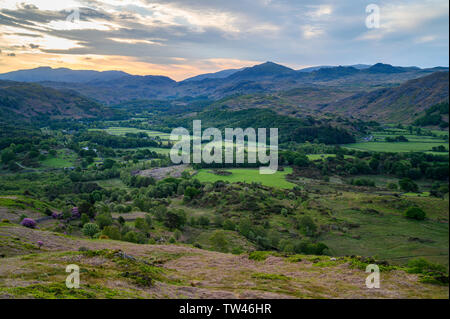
column 315, row 157
column 114, row 130
column 396, row 147
column 385, row 232
column 248, row 175
column 63, row 158
column 416, row 143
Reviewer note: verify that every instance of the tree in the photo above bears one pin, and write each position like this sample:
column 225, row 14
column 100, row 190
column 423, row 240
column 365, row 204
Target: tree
column 219, row 241
column 87, row 208
column 407, row 185
column 307, row 225
column 191, row 192
column 301, row 161
column 244, row 227
column 112, row 232
column 141, row 224
column 392, row 186
column 108, row 163
column 131, row 236
column 104, row 219
column 228, row 225
column 160, row 212
column 175, row 219
column 148, row 220
column 90, row 229
column 415, row 213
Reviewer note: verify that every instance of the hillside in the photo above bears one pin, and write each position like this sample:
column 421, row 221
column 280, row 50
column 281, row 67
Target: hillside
column 268, row 77
column 60, row 75
column 399, row 104
column 216, row 75
column 113, row 269
column 30, row 100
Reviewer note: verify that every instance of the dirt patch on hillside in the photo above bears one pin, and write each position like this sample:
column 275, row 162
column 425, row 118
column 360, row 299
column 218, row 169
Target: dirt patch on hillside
column 13, row 215
column 163, row 172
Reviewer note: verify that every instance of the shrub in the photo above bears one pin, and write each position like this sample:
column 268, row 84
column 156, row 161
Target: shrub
column 203, row 221
column 429, row 272
column 141, row 224
column 28, row 222
column 308, row 248
column 112, row 232
column 259, row 255
column 228, row 225
column 148, row 220
column 415, row 213
column 103, row 220
column 131, row 236
column 392, row 186
column 66, row 214
column 175, row 219
column 75, row 213
column 90, row 229
column 191, row 192
column 219, row 241
column 103, row 237
column 56, row 215
column 84, row 219
column 363, row 182
column 5, row 221
column 307, row 225
column 407, row 185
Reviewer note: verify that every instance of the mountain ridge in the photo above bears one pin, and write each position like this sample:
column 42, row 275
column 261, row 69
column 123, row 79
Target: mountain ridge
column 399, row 104
column 22, row 100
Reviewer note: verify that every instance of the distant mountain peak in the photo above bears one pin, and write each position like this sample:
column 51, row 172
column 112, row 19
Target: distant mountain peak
column 384, row 68
column 266, row 69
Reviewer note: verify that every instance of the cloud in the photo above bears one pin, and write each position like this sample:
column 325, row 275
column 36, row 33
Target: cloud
column 182, row 37
column 320, row 11
column 310, row 31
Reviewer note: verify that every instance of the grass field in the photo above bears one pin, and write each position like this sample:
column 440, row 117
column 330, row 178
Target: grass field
column 416, row 143
column 113, row 130
column 396, row 147
column 315, row 157
column 383, row 230
column 248, row 175
column 63, row 158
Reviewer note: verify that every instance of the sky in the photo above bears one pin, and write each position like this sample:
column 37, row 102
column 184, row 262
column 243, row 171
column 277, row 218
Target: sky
column 183, row 38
